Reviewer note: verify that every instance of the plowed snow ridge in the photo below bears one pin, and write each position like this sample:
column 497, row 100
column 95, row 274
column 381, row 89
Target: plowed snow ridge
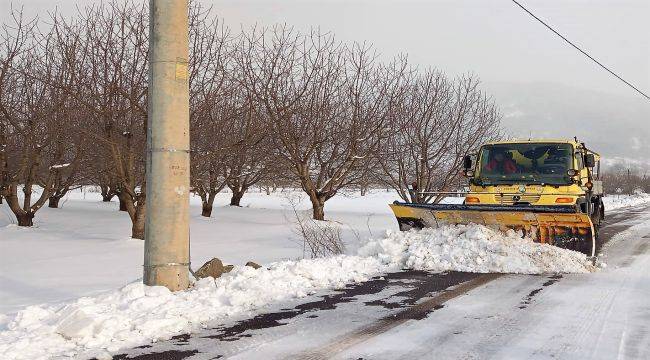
column 137, row 314
column 612, row 202
column 473, row 248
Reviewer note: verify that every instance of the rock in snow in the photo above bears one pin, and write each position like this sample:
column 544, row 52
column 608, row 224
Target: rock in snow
column 254, row 265
column 213, row 268
column 137, row 314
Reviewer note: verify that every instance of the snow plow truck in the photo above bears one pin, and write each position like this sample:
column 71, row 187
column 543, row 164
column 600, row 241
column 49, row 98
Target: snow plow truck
column 547, row 189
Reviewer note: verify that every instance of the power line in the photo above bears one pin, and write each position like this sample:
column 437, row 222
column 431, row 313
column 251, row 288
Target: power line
column 582, row 51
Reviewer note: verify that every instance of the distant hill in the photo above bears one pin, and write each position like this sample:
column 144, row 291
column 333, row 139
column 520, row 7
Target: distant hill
column 616, row 126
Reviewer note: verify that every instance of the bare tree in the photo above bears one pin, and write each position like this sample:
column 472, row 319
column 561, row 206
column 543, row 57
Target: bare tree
column 625, row 178
column 251, row 154
column 35, row 117
column 326, row 105
column 271, row 106
column 70, row 147
column 15, row 40
column 213, row 105
column 113, row 90
column 438, row 122
column 209, row 149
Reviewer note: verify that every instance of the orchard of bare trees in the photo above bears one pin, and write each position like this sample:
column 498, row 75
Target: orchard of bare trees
column 621, row 179
column 268, row 107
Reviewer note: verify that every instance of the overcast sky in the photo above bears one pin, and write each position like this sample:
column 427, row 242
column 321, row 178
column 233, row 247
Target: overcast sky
column 494, row 39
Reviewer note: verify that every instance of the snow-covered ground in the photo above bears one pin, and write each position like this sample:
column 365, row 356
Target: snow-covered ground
column 138, row 314
column 613, row 202
column 83, row 249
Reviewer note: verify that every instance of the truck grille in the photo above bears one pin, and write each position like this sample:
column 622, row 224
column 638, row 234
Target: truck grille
column 510, row 199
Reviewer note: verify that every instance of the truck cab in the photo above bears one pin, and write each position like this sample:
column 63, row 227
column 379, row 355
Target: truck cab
column 539, row 172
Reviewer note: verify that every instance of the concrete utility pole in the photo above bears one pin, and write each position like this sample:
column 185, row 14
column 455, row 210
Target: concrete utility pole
column 167, row 246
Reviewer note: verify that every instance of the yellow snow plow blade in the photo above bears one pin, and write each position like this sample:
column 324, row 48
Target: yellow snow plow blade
column 562, row 226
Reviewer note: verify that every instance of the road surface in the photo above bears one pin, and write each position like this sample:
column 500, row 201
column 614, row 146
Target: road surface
column 418, row 315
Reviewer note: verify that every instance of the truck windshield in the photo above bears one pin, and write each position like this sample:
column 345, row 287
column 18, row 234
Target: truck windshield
column 525, row 164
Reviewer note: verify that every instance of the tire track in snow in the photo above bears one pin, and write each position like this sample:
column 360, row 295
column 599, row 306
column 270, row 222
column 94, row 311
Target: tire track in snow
column 592, row 319
column 567, row 340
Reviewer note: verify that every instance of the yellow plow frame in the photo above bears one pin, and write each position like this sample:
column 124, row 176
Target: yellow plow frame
column 563, row 226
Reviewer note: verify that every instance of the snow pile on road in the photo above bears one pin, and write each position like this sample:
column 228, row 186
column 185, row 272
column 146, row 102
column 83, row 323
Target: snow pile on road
column 137, row 314
column 473, row 248
column 612, row 202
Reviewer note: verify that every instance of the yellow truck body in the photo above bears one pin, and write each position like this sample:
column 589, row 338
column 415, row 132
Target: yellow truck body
column 551, row 193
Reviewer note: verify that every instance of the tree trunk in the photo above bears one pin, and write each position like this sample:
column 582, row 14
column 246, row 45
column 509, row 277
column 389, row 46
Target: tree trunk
column 122, row 204
column 25, row 219
column 236, row 197
column 107, row 193
column 53, row 202
column 137, row 229
column 107, row 197
column 206, row 202
column 318, row 207
column 206, row 209
column 318, row 212
column 11, row 195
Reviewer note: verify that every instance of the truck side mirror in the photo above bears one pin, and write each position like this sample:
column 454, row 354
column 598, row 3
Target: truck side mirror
column 467, row 162
column 590, row 160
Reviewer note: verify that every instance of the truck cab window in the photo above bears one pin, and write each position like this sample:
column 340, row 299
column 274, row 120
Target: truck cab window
column 544, row 163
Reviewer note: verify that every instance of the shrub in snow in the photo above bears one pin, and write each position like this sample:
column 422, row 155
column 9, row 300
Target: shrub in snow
column 322, row 238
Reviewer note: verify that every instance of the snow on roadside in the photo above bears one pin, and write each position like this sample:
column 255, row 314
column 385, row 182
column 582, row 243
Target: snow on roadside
column 612, row 202
column 137, row 314
column 473, row 248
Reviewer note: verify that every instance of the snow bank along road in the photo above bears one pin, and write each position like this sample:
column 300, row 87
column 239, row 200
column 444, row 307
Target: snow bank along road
column 417, row 315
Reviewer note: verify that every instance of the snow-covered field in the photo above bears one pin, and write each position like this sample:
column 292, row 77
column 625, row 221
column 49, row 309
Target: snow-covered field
column 613, row 202
column 83, row 249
